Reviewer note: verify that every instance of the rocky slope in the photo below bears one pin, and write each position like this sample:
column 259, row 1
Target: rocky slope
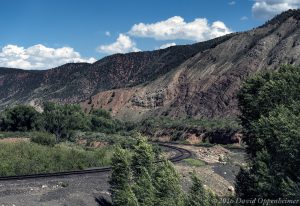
column 77, row 82
column 199, row 80
column 206, row 84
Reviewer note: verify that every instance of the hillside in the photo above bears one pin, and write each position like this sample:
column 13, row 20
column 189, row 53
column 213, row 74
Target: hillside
column 199, row 80
column 76, row 82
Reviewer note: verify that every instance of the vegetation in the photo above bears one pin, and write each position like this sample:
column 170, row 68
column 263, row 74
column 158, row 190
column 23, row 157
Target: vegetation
column 20, row 118
column 61, row 120
column 204, row 124
column 101, row 121
column 50, row 133
column 31, row 158
column 194, row 162
column 43, row 138
column 179, row 128
column 199, row 196
column 136, row 180
column 270, row 115
column 121, row 191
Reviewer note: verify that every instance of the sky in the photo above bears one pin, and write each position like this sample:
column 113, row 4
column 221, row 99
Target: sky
column 42, row 34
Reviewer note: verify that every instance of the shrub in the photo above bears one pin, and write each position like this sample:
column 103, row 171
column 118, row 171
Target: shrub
column 43, row 138
column 20, row 118
column 30, row 158
column 101, row 113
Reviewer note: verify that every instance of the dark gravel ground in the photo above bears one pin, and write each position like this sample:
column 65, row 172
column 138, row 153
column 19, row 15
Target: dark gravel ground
column 73, row 190
column 231, row 168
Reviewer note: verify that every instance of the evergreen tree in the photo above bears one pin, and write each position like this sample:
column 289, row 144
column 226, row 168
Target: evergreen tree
column 270, row 106
column 168, row 190
column 198, row 195
column 143, row 158
column 120, row 187
column 144, row 189
column 261, row 94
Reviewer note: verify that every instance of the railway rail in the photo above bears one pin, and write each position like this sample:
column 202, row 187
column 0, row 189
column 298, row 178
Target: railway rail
column 181, row 155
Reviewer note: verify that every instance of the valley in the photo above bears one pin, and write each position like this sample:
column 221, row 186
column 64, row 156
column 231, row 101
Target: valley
column 185, row 125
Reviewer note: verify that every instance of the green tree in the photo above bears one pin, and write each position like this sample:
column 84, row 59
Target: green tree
column 120, row 187
column 20, row 118
column 275, row 168
column 143, row 188
column 263, row 93
column 143, row 158
column 198, row 195
column 102, row 121
column 168, row 191
column 270, row 107
column 143, row 182
column 61, row 120
column 142, row 166
column 101, row 113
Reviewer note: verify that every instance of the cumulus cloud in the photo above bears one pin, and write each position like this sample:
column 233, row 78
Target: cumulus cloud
column 123, row 44
column 167, row 45
column 176, row 28
column 39, row 57
column 107, row 33
column 266, row 9
column 231, row 3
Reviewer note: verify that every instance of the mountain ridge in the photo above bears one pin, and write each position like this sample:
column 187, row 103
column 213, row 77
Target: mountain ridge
column 198, row 80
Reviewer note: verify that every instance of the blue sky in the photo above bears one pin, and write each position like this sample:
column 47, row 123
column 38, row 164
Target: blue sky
column 40, row 34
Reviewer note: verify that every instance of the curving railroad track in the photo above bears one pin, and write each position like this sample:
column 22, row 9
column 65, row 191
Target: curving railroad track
column 181, row 154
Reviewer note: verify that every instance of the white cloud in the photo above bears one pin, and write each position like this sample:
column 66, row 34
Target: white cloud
column 123, row 44
column 231, row 3
column 244, row 18
column 167, row 45
column 176, row 28
column 107, row 33
column 266, row 9
column 39, row 57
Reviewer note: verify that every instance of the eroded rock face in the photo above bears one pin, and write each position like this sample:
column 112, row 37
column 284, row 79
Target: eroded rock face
column 199, row 80
column 150, row 100
column 206, row 84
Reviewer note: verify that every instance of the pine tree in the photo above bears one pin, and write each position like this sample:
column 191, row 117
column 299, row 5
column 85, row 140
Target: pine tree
column 168, row 190
column 143, row 158
column 120, row 187
column 198, row 195
column 270, row 115
column 144, row 189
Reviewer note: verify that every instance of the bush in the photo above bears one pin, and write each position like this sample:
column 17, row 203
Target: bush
column 43, row 138
column 30, row 158
column 20, row 118
column 101, row 124
column 101, row 113
column 101, row 121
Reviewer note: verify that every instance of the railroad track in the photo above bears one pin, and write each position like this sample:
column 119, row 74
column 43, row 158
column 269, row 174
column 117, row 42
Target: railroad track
column 181, row 155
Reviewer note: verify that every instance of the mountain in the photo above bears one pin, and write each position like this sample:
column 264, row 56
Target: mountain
column 199, row 80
